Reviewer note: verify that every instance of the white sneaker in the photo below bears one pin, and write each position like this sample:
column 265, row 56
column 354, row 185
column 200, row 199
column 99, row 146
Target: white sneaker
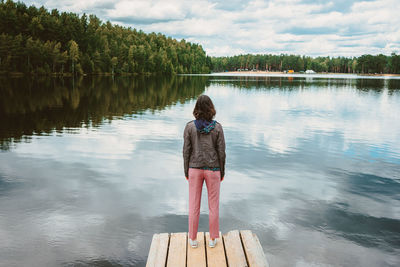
column 193, row 243
column 212, row 243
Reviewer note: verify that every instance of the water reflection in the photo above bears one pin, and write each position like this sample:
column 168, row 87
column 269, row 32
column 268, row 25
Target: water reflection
column 291, row 83
column 40, row 106
column 312, row 168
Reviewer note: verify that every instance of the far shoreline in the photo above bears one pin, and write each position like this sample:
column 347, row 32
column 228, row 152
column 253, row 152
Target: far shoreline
column 308, row 74
column 226, row 73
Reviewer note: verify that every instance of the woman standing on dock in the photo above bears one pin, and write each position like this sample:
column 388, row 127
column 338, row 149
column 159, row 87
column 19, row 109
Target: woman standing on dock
column 204, row 159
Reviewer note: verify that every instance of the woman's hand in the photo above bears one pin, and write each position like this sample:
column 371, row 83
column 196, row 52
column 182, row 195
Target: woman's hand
column 187, row 178
column 222, row 179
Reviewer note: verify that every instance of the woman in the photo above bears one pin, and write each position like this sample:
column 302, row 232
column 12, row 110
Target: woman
column 204, row 159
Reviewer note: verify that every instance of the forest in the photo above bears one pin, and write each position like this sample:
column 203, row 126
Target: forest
column 37, row 41
column 365, row 64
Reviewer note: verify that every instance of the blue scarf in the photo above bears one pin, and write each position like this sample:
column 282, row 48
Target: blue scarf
column 204, row 126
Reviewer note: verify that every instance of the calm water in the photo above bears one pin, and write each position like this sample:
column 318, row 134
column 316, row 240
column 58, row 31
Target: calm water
column 90, row 169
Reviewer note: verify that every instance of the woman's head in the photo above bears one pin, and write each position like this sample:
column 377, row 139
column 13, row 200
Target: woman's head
column 204, row 108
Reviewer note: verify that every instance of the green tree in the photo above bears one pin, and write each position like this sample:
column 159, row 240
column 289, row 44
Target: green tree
column 73, row 51
column 114, row 62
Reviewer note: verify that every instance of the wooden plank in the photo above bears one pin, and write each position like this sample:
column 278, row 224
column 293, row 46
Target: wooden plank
column 177, row 250
column 216, row 255
column 253, row 250
column 234, row 250
column 153, row 250
column 196, row 257
column 158, row 250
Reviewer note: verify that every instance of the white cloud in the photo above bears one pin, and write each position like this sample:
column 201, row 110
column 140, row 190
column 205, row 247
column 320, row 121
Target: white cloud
column 155, row 10
column 225, row 28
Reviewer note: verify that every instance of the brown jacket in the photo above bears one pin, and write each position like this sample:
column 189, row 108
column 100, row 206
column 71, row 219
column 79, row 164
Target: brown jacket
column 203, row 149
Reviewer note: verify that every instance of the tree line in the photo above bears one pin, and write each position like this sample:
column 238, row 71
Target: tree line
column 267, row 62
column 35, row 40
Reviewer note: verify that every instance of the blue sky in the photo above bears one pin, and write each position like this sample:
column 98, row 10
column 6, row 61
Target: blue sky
column 306, row 27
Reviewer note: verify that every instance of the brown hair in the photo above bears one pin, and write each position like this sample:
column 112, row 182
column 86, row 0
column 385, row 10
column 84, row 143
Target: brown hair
column 204, row 108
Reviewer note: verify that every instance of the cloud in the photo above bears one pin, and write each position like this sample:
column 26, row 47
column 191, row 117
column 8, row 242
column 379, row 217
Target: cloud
column 334, row 28
column 155, row 11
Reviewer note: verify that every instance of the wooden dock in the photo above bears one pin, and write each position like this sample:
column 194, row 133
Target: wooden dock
column 233, row 249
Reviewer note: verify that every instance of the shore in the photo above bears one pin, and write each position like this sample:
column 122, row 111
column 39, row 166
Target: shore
column 69, row 74
column 324, row 73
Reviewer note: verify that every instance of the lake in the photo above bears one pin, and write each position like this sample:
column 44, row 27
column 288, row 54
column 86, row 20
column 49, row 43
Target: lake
column 90, row 168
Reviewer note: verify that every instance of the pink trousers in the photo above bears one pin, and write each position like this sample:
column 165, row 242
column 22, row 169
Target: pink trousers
column 213, row 180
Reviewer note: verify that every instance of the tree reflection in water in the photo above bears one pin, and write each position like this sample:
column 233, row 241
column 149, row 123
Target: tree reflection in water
column 43, row 105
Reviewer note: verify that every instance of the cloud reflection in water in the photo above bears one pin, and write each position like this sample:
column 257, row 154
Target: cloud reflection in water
column 312, row 169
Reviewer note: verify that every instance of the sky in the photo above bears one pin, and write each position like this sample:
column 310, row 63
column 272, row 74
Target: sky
column 226, row 28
